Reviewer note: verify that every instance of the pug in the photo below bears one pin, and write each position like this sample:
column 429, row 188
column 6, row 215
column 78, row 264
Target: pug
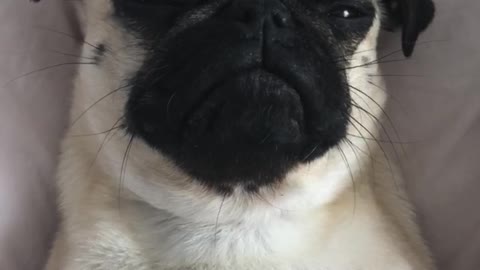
column 235, row 134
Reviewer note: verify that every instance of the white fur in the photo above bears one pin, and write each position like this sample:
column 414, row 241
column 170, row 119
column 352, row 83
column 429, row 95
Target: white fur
column 326, row 215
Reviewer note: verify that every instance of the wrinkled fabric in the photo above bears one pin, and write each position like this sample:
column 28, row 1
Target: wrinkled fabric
column 434, row 107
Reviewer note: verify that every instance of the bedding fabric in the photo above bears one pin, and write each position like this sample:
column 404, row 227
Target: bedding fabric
column 435, row 107
column 32, row 119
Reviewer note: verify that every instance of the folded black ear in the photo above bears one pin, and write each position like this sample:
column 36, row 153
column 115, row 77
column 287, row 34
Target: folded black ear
column 414, row 16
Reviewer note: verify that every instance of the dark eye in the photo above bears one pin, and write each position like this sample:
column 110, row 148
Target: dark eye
column 347, row 12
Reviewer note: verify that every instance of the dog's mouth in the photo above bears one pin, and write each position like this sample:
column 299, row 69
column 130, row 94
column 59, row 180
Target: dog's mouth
column 246, row 126
column 254, row 107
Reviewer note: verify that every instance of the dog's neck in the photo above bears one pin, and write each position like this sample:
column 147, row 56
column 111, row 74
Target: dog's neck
column 272, row 228
column 263, row 235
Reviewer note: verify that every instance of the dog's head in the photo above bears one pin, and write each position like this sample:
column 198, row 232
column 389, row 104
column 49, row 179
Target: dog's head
column 241, row 93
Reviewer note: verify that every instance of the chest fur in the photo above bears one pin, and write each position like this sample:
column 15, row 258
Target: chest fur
column 140, row 239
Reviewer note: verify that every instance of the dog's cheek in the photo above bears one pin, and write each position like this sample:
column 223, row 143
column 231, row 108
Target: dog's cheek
column 116, row 56
column 366, row 86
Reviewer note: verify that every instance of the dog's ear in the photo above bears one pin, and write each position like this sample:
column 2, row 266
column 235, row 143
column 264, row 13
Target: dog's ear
column 414, row 16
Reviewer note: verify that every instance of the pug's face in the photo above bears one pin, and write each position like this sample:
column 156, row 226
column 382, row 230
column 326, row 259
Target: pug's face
column 239, row 93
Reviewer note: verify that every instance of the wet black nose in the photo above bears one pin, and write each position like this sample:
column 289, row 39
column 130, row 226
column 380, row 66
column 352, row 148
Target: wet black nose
column 269, row 17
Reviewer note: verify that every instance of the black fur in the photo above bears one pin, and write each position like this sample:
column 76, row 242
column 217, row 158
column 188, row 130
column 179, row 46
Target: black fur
column 240, row 92
column 414, row 16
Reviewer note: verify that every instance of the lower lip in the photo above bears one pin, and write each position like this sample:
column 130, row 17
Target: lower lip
column 250, row 106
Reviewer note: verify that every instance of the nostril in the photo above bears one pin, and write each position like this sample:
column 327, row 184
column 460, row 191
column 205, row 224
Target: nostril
column 254, row 13
column 280, row 20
